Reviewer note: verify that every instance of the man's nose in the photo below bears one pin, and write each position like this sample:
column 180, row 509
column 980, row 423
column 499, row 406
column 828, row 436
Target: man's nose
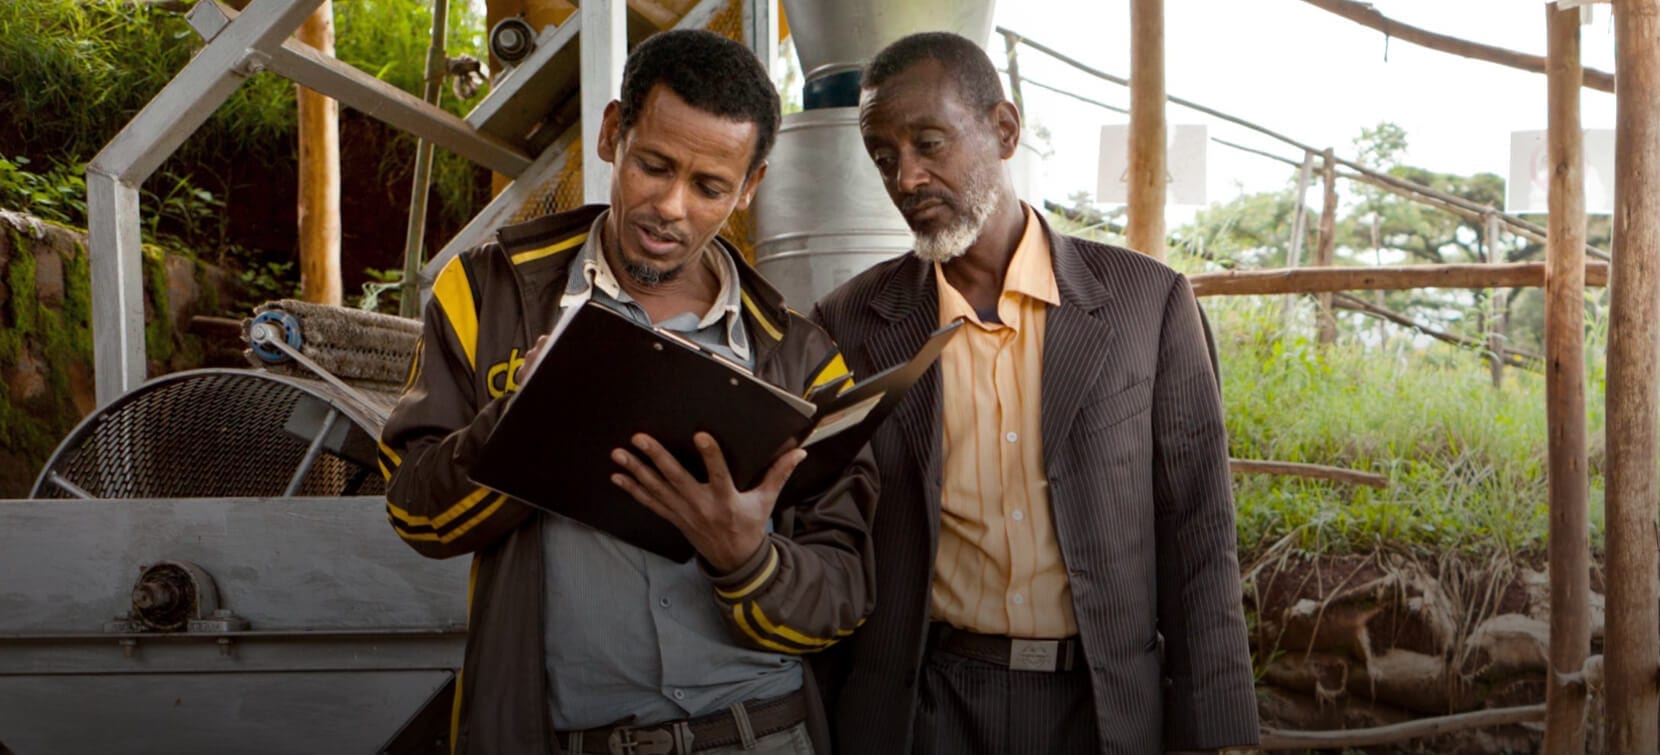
column 910, row 174
column 671, row 203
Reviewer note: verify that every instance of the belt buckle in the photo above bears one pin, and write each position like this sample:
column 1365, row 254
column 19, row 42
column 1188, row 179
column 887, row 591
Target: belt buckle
column 626, row 741
column 1034, row 655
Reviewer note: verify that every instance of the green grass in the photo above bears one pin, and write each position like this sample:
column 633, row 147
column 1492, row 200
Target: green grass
column 1465, row 462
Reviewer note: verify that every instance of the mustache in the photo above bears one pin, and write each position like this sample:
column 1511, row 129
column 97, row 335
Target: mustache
column 909, row 203
column 662, row 230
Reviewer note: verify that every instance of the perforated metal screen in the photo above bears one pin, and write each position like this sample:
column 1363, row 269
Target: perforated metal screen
column 215, row 433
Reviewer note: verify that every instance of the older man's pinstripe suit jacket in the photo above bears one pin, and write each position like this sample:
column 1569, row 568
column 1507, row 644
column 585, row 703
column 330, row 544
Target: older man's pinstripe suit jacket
column 1136, row 456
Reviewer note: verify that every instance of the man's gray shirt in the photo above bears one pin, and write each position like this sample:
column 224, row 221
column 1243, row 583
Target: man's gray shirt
column 631, row 633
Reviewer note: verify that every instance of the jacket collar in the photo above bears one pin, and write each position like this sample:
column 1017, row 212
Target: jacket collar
column 540, row 252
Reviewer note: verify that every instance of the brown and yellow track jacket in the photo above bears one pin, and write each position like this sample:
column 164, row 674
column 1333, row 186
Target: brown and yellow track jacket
column 800, row 594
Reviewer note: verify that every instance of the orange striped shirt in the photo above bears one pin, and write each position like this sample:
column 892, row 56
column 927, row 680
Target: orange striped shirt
column 999, row 568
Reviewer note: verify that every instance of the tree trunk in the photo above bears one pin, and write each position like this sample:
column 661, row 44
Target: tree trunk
column 319, row 184
column 1147, row 166
column 1567, row 475
column 1633, row 637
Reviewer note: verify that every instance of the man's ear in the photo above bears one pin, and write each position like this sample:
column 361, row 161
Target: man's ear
column 750, row 182
column 1006, row 118
column 608, row 132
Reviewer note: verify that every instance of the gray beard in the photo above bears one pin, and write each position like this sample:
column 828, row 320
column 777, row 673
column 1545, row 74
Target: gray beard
column 953, row 241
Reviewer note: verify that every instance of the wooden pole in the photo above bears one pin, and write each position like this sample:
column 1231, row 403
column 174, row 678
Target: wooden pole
column 1147, row 164
column 1311, row 280
column 409, row 300
column 1299, row 229
column 1280, row 739
column 1326, row 253
column 1011, row 46
column 1512, row 357
column 1310, row 471
column 319, row 210
column 1633, row 626
column 1365, row 15
column 1495, row 305
column 1567, row 477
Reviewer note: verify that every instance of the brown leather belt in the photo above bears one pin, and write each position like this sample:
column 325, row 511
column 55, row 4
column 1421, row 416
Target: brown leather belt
column 724, row 729
column 1012, row 653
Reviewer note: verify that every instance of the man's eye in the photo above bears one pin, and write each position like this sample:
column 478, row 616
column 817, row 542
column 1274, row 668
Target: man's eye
column 930, row 145
column 710, row 191
column 653, row 169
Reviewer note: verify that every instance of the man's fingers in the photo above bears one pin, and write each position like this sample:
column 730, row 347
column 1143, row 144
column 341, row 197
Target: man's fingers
column 720, row 477
column 667, row 466
column 639, row 494
column 642, row 473
column 782, row 469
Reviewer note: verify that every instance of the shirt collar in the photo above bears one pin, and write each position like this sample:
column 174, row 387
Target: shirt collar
column 590, row 270
column 1031, row 275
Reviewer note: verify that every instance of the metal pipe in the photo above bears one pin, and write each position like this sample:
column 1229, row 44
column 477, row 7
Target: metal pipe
column 409, row 300
column 311, row 454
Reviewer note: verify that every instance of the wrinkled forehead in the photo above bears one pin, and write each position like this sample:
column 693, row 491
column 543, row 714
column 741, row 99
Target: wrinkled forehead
column 923, row 92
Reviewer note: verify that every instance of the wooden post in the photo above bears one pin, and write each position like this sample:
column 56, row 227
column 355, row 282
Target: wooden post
column 319, row 210
column 1495, row 305
column 1633, row 637
column 1145, row 227
column 1326, row 252
column 1569, row 544
column 1299, row 228
column 1010, row 43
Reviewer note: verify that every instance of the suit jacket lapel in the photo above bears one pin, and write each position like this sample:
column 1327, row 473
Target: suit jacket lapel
column 1076, row 343
column 908, row 305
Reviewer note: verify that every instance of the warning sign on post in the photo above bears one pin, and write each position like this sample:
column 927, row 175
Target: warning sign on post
column 1184, row 164
column 1527, row 189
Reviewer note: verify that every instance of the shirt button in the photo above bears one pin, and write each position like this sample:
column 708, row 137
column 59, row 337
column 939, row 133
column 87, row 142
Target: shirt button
column 679, row 694
column 1018, row 515
column 1019, row 599
column 1011, row 437
column 663, row 601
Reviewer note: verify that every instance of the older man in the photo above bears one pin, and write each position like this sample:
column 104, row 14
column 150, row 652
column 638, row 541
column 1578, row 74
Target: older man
column 578, row 640
column 1055, row 537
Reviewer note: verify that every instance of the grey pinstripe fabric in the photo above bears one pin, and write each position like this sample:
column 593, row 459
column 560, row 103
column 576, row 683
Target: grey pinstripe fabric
column 1136, row 456
column 966, row 706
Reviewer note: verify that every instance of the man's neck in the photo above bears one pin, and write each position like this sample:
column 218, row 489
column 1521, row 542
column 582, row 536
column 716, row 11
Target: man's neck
column 978, row 274
column 693, row 290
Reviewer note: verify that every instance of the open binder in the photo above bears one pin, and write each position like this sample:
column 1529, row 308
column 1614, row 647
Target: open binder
column 608, row 377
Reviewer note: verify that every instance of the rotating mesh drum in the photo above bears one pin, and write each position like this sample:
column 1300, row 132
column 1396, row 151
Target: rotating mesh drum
column 221, row 433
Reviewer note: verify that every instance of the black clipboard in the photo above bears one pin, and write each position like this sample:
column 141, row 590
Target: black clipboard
column 605, row 377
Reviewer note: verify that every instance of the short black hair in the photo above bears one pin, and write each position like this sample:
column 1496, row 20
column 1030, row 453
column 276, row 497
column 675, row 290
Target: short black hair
column 711, row 73
column 967, row 65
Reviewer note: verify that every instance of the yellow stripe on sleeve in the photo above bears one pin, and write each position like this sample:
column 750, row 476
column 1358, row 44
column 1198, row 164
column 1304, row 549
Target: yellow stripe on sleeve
column 536, row 254
column 786, row 632
column 754, row 311
column 743, row 624
column 760, row 579
column 455, row 297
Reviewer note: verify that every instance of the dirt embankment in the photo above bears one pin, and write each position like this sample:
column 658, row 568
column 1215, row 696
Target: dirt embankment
column 1369, row 640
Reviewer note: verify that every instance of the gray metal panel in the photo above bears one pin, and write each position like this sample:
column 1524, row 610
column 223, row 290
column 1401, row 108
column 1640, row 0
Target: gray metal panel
column 530, row 90
column 377, row 99
column 312, row 563
column 247, row 714
column 822, row 215
column 604, row 46
column 836, row 32
column 117, row 292
column 501, row 209
column 199, row 88
column 761, row 31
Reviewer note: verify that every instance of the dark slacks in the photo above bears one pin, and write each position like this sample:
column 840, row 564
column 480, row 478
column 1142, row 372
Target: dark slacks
column 970, row 707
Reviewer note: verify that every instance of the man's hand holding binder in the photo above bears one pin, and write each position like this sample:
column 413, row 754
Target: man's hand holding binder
column 671, row 448
column 725, row 525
